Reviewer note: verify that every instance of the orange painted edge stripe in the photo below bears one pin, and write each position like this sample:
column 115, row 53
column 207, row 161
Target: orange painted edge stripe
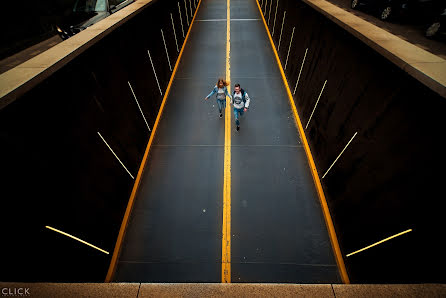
column 317, row 182
column 117, row 250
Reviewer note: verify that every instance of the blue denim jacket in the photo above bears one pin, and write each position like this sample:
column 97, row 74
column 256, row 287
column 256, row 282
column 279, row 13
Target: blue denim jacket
column 216, row 89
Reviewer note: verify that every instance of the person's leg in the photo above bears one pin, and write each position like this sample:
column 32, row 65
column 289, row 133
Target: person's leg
column 236, row 116
column 219, row 105
column 237, row 122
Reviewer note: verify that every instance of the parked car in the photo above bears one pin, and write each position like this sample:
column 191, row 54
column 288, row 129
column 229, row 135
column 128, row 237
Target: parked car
column 86, row 13
column 437, row 26
column 384, row 8
column 414, row 10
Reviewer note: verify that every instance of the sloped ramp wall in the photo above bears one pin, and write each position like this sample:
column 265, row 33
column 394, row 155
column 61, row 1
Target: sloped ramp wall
column 57, row 171
column 389, row 178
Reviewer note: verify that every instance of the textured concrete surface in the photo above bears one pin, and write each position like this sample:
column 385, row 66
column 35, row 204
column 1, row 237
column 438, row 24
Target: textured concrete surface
column 234, row 290
column 50, row 57
column 18, row 58
column 68, row 290
column 218, row 290
column 18, row 81
column 416, row 290
column 89, row 35
column 419, row 69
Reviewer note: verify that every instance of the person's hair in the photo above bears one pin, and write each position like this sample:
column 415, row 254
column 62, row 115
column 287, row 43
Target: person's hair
column 237, row 85
column 222, row 80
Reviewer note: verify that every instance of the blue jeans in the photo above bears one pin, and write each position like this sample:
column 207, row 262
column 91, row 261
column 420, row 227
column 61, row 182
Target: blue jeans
column 236, row 112
column 221, row 104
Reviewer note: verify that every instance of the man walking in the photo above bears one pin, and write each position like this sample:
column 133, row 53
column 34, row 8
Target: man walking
column 241, row 100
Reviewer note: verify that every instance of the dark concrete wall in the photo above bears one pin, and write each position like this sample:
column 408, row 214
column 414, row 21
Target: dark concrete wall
column 389, row 179
column 56, row 170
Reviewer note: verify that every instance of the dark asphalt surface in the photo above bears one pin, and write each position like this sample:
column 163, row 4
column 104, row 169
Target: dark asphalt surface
column 279, row 234
column 175, row 230
column 174, row 234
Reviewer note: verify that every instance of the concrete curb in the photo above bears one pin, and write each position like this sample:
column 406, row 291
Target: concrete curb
column 20, row 79
column 217, row 290
column 420, row 64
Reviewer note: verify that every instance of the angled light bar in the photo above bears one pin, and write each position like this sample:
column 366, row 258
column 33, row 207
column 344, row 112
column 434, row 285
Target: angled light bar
column 379, row 242
column 75, row 238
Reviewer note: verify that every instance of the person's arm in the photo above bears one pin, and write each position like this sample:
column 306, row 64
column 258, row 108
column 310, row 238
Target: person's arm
column 212, row 92
column 227, row 94
column 248, row 100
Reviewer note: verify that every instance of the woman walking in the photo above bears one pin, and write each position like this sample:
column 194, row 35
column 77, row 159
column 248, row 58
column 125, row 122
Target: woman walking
column 222, row 92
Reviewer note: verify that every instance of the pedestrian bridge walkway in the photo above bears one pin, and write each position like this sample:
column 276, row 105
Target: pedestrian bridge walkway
column 215, row 204
column 107, row 138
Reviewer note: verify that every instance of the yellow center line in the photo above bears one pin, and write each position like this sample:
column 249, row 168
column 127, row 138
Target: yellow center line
column 317, row 181
column 226, row 239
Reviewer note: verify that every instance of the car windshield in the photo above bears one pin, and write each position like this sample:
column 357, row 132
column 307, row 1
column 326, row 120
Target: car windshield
column 90, row 5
